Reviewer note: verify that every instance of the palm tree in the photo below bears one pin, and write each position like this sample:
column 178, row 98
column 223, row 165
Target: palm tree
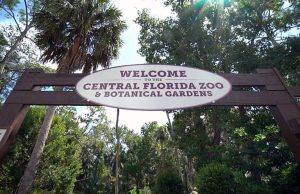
column 78, row 35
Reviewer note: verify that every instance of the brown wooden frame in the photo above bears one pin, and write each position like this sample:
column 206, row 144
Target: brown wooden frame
column 273, row 93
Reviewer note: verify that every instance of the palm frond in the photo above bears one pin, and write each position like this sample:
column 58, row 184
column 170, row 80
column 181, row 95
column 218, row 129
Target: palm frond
column 98, row 24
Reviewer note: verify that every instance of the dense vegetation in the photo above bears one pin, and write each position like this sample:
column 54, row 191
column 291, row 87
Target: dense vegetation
column 208, row 150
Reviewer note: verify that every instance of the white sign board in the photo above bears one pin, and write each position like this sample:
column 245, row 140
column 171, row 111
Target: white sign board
column 2, row 133
column 153, row 87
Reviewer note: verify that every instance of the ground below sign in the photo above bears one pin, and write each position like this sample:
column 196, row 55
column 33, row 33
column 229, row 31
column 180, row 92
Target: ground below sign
column 153, row 87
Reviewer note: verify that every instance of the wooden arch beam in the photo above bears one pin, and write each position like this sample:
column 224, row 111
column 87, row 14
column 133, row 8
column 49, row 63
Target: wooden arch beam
column 272, row 93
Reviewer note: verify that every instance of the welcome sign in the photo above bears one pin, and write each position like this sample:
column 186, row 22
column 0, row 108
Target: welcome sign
column 153, row 87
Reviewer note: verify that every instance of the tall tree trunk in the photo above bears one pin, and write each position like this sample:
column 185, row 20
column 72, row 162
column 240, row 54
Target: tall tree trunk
column 31, row 169
column 216, row 130
column 172, row 134
column 189, row 173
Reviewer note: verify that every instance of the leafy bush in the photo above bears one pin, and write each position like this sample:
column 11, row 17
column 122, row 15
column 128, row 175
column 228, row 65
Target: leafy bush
column 286, row 180
column 216, row 179
column 168, row 182
column 249, row 185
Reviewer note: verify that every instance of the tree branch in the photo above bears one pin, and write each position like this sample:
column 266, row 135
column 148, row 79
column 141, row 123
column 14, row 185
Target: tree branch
column 30, row 39
column 11, row 13
column 26, row 13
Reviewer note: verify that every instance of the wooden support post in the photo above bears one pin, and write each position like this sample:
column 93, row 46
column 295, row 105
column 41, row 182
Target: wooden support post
column 287, row 115
column 289, row 126
column 13, row 114
column 11, row 118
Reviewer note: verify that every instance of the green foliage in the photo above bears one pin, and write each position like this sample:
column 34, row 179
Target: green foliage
column 286, row 181
column 237, row 37
column 12, row 167
column 61, row 159
column 240, row 131
column 168, row 182
column 24, row 56
column 97, row 152
column 94, row 26
column 80, row 153
column 142, row 159
column 9, row 3
column 257, row 147
column 60, row 165
column 20, row 12
column 216, row 179
column 17, row 52
column 249, row 186
column 199, row 133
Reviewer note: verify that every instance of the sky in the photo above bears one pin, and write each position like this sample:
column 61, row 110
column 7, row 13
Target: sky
column 128, row 55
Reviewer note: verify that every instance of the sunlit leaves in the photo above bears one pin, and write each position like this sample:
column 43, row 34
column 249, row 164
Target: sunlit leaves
column 240, row 131
column 259, row 137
